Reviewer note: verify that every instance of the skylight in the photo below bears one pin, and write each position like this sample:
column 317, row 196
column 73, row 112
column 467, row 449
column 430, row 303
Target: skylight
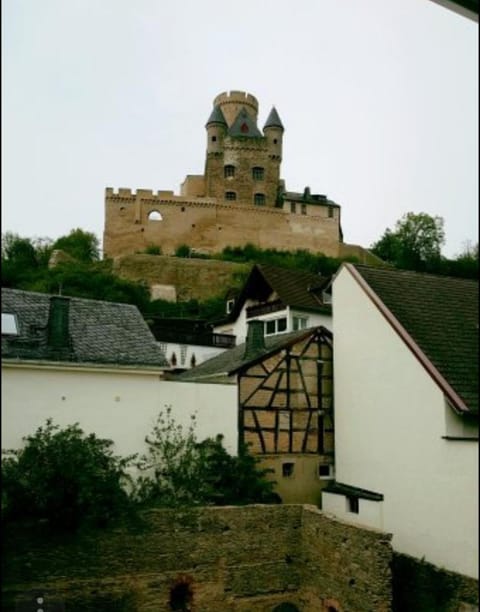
column 9, row 324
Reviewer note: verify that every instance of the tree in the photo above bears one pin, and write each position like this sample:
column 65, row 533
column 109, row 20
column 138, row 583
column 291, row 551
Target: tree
column 65, row 477
column 180, row 471
column 415, row 243
column 81, row 245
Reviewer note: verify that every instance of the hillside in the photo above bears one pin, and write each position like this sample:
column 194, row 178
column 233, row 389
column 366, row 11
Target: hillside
column 183, row 278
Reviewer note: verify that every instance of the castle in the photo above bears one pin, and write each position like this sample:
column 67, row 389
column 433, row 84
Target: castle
column 240, row 198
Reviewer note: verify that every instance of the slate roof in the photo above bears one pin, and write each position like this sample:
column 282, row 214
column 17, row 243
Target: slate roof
column 251, row 131
column 217, row 116
column 273, row 120
column 295, row 288
column 100, row 332
column 220, row 367
column 440, row 313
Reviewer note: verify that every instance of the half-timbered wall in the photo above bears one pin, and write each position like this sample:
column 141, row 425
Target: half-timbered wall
column 286, row 416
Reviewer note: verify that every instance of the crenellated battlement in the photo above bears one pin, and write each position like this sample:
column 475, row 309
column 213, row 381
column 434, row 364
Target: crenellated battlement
column 124, row 192
column 232, row 102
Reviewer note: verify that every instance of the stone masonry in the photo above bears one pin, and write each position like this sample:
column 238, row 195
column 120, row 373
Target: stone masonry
column 244, row 559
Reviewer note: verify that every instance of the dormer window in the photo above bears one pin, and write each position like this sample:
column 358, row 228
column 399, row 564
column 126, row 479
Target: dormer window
column 229, row 171
column 259, row 199
column 258, row 173
column 230, row 195
column 230, row 305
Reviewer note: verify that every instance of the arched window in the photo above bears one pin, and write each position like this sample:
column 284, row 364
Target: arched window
column 228, row 171
column 259, row 199
column 258, row 173
column 154, row 215
column 230, row 195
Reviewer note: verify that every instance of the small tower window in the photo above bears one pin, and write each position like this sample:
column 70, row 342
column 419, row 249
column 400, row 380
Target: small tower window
column 275, row 141
column 304, row 209
column 330, row 212
column 259, row 199
column 214, row 139
column 293, row 207
column 228, row 171
column 230, row 195
column 244, row 128
column 258, row 173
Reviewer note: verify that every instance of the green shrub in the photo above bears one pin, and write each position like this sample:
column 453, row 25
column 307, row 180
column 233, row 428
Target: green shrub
column 65, row 477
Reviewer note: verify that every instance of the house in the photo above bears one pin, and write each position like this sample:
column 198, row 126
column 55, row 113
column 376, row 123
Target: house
column 97, row 364
column 285, row 300
column 188, row 342
column 285, row 404
column 406, row 411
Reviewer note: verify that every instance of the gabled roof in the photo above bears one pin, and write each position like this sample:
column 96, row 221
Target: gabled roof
column 295, row 288
column 223, row 366
column 437, row 317
column 273, row 120
column 244, row 126
column 99, row 332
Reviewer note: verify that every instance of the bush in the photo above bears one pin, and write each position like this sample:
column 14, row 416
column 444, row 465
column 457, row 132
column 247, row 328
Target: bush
column 65, row 477
column 180, row 471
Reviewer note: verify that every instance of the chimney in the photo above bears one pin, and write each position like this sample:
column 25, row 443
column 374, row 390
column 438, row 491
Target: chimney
column 255, row 341
column 57, row 328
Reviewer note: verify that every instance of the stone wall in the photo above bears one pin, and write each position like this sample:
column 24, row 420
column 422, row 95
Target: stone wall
column 198, row 279
column 245, row 559
column 208, row 225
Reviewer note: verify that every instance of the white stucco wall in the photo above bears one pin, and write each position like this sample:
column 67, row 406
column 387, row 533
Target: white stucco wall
column 370, row 513
column 389, row 423
column 121, row 406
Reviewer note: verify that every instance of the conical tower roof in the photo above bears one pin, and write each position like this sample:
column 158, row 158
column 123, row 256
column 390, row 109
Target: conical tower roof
column 217, row 116
column 273, row 120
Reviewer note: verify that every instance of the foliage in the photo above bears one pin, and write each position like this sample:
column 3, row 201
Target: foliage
column 415, row 243
column 300, row 259
column 152, row 249
column 66, row 477
column 210, row 309
column 180, row 471
column 81, row 245
column 182, row 251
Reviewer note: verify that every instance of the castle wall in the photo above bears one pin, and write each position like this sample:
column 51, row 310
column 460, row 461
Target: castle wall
column 207, row 225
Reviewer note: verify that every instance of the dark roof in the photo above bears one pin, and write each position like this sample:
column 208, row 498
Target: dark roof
column 244, row 126
column 343, row 489
column 308, row 198
column 273, row 120
column 295, row 288
column 230, row 362
column 99, row 332
column 217, row 116
column 440, row 313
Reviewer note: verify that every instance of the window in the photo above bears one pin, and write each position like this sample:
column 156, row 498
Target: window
column 259, row 199
column 275, row 326
column 325, row 471
column 230, row 305
column 154, row 215
column 352, row 504
column 229, row 171
column 304, row 209
column 258, row 174
column 299, row 323
column 288, row 469
column 214, row 139
column 330, row 212
column 293, row 207
column 326, row 297
column 9, row 324
column 275, row 141
column 230, row 195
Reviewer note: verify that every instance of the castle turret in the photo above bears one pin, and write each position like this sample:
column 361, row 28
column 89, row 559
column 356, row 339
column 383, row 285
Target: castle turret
column 273, row 130
column 216, row 129
column 231, row 103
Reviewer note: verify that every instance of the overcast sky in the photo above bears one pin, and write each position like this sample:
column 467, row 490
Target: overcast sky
column 379, row 99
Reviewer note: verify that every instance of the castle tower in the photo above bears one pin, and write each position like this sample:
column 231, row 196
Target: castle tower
column 242, row 164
